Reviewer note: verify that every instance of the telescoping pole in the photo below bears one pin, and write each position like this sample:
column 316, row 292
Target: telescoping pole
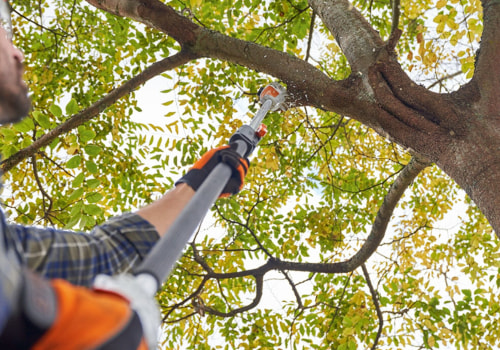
column 160, row 262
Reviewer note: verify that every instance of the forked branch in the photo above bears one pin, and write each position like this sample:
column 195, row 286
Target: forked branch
column 402, row 182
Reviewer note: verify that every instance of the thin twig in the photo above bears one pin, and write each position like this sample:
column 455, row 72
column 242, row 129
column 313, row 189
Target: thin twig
column 373, row 292
column 323, row 144
column 396, row 13
column 395, row 31
column 59, row 166
column 337, row 310
column 294, row 289
column 45, row 195
column 309, row 40
column 245, row 226
column 190, row 297
column 259, row 282
column 449, row 76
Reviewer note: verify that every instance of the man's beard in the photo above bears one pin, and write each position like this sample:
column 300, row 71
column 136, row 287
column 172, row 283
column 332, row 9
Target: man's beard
column 14, row 106
column 15, row 103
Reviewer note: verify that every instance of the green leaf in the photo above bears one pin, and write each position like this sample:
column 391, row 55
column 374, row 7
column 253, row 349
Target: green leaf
column 74, row 162
column 42, row 119
column 27, row 141
column 25, row 125
column 56, row 110
column 87, row 221
column 78, row 193
column 72, row 107
column 91, row 167
column 8, row 150
column 55, row 142
column 92, row 150
column 78, row 180
column 8, row 134
column 76, row 210
column 93, row 183
column 92, row 209
column 86, row 135
column 73, row 220
column 94, row 197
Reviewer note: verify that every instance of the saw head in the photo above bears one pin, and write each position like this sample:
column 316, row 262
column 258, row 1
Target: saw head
column 275, row 93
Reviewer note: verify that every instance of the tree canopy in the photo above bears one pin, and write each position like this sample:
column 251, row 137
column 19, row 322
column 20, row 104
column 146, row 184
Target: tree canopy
column 394, row 123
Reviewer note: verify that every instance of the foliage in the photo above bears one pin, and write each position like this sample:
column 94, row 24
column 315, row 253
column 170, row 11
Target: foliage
column 312, row 193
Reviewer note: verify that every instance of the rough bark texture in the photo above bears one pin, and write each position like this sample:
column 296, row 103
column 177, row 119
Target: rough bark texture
column 460, row 132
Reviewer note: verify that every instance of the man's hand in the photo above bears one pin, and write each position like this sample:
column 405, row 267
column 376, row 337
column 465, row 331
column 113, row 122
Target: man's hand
column 137, row 292
column 202, row 168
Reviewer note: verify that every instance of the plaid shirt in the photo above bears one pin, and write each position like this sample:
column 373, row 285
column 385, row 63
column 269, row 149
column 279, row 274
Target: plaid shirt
column 113, row 247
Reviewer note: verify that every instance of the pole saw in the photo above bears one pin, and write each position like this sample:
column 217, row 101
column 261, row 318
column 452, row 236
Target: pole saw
column 161, row 260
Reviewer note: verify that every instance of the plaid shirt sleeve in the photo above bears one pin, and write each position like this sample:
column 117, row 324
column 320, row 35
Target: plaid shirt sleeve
column 113, row 247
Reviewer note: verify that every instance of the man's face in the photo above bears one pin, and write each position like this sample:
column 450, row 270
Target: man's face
column 14, row 100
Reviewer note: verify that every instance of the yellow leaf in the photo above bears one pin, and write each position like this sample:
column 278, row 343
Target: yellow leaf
column 347, row 332
column 431, row 341
column 440, row 27
column 441, row 3
column 272, row 161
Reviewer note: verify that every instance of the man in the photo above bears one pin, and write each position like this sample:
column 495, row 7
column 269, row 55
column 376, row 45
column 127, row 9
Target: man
column 54, row 314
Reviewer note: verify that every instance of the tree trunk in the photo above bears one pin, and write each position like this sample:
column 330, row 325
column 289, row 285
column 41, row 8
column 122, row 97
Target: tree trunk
column 473, row 159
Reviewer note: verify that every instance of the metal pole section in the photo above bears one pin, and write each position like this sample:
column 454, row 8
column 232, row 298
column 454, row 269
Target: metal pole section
column 261, row 113
column 162, row 259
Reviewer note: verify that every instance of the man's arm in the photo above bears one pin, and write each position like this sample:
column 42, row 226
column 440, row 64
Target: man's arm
column 113, row 247
column 121, row 243
column 163, row 212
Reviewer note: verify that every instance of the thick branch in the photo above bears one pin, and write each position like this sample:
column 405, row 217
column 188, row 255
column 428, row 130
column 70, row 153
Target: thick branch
column 153, row 13
column 96, row 108
column 356, row 37
column 435, row 108
column 306, row 84
column 487, row 71
column 393, row 94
